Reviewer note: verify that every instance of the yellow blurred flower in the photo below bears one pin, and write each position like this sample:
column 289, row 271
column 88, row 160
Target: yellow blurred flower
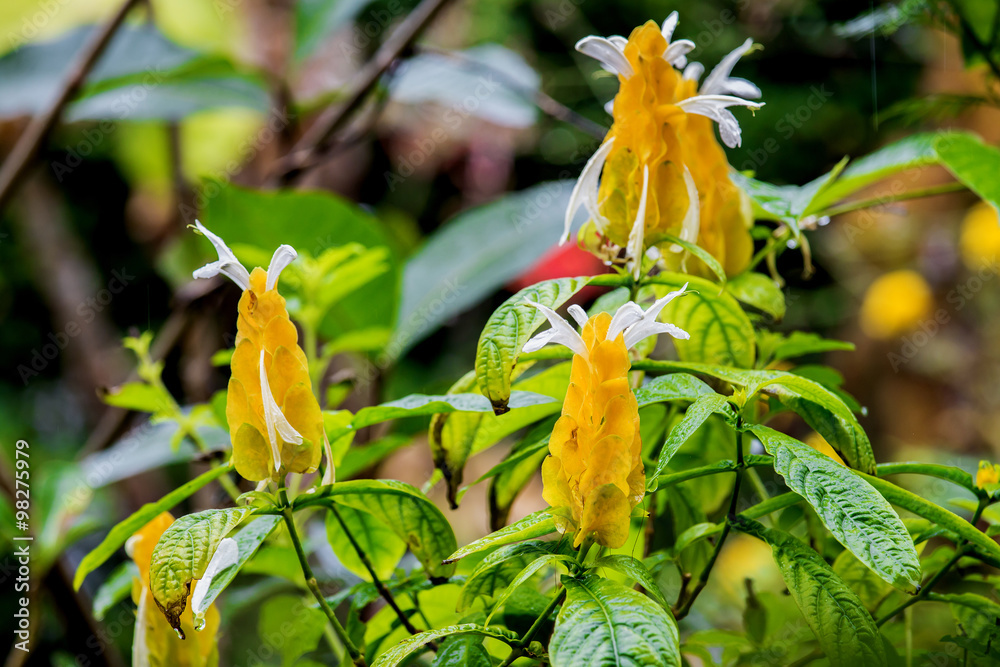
column 980, row 240
column 988, row 475
column 819, row 443
column 895, row 304
column 661, row 169
column 275, row 421
column 593, row 476
column 155, row 643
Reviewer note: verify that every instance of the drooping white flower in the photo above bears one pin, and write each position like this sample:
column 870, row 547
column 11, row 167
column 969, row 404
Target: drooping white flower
column 631, row 320
column 274, row 419
column 229, row 266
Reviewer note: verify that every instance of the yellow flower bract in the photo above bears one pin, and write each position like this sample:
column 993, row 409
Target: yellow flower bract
column 594, row 471
column 651, row 130
column 264, row 325
column 988, row 473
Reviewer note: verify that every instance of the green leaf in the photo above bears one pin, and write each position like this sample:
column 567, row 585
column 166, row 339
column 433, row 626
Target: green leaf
column 499, row 568
column 853, row 511
column 973, row 163
column 759, row 291
column 462, row 651
column 987, row 549
column 248, row 540
column 456, row 436
column 721, row 333
column 298, row 624
column 800, row 343
column 710, row 261
column 124, row 530
column 414, row 518
column 376, row 539
column 520, row 466
column 634, row 569
column 138, row 396
column 603, row 623
column 361, row 457
column 404, row 649
column 416, row 405
column 846, row 632
column 825, row 412
column 534, row 525
column 183, row 554
column 526, row 573
column 473, row 254
column 115, row 588
column 950, row 473
column 509, row 328
column 673, row 387
column 704, row 407
column 316, row 20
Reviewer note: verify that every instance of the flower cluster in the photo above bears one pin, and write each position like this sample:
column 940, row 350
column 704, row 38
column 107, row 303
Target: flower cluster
column 593, row 476
column 274, row 418
column 661, row 171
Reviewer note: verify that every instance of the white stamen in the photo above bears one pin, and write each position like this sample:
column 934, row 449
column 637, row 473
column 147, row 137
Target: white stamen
column 648, row 326
column 636, row 237
column 282, row 257
column 718, row 82
column 669, row 25
column 693, row 71
column 607, row 52
column 225, row 556
column 275, row 420
column 561, row 333
column 691, row 224
column 585, row 191
column 227, row 264
column 578, row 314
column 715, row 107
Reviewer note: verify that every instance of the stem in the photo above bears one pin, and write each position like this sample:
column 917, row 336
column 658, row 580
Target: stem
column 683, row 610
column 883, row 200
column 524, row 641
column 379, row 586
column 933, row 581
column 313, row 585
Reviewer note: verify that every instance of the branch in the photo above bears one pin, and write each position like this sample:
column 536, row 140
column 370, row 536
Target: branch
column 16, row 165
column 317, row 137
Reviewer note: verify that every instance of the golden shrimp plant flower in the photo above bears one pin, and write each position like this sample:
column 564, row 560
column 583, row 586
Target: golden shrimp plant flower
column 275, row 421
column 593, row 476
column 660, row 169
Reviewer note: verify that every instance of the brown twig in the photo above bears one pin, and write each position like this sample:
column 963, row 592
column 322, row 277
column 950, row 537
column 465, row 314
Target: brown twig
column 17, row 163
column 332, row 119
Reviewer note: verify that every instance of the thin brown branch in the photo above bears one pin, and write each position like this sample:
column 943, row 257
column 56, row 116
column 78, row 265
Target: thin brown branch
column 316, row 139
column 19, row 161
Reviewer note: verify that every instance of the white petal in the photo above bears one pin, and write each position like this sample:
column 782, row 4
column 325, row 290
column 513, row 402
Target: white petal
column 330, row 474
column 282, row 257
column 636, row 237
column 691, row 224
column 609, row 107
column 693, row 71
column 225, row 556
column 627, row 315
column 676, row 53
column 561, row 332
column 140, row 645
column 718, row 82
column 227, row 264
column 578, row 314
column 275, row 420
column 648, row 326
column 669, row 25
column 715, row 107
column 607, row 52
column 585, row 191
column 619, row 42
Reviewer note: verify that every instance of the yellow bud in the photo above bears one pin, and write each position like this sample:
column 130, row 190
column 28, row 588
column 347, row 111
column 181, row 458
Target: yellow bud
column 987, row 474
column 895, row 304
column 980, row 240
